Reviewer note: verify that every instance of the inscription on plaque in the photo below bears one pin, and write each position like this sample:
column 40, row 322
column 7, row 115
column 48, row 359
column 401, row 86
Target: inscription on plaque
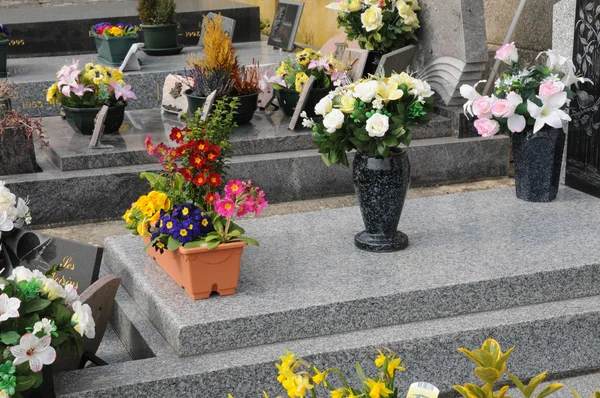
column 285, row 24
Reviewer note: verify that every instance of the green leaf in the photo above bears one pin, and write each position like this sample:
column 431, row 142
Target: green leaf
column 488, row 375
column 10, row 338
column 212, row 244
column 151, row 177
column 59, row 339
column 575, row 393
column 35, row 305
column 194, row 244
column 534, row 383
column 462, row 391
column 173, row 244
column 63, row 316
column 249, row 241
column 361, row 373
column 27, row 382
column 517, row 382
column 550, row 389
column 235, row 233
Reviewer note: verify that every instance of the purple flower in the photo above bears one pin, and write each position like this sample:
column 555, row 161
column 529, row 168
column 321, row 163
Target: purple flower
column 121, row 91
column 3, row 32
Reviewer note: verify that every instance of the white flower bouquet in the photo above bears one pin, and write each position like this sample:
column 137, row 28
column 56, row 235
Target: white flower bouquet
column 14, row 212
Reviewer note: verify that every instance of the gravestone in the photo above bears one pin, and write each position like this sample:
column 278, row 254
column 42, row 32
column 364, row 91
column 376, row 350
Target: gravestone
column 285, row 24
column 576, row 34
column 228, row 26
column 452, row 46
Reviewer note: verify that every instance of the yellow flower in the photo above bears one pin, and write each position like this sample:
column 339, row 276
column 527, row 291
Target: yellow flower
column 403, row 78
column 303, row 384
column 154, row 218
column 306, row 55
column 388, row 90
column 116, row 31
column 380, row 359
column 114, row 75
column 51, row 93
column 127, row 216
column 394, row 365
column 301, row 78
column 142, row 229
column 283, row 69
column 350, row 5
column 339, row 393
column 96, row 75
column 141, row 202
column 408, row 15
column 347, row 104
column 377, row 389
column 159, row 200
column 319, row 377
column 88, row 67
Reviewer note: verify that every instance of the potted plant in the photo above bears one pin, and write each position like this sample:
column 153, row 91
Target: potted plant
column 159, row 27
column 290, row 77
column 17, row 136
column 218, row 70
column 40, row 320
column 113, row 41
column 3, row 49
column 187, row 220
column 529, row 104
column 379, row 26
column 82, row 92
column 373, row 116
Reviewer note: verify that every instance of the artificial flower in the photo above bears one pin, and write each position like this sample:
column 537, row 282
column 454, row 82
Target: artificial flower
column 333, row 120
column 486, row 127
column 508, row 54
column 503, row 108
column 550, row 113
column 21, row 274
column 45, row 326
column 372, row 19
column 347, row 103
column 53, row 289
column 83, row 320
column 9, row 307
column 366, row 90
column 36, row 351
column 70, row 293
column 377, row 125
column 324, row 106
column 482, row 107
column 122, row 91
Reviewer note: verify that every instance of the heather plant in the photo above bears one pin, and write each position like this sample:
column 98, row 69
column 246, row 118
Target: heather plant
column 156, row 12
column 6, row 88
column 30, row 127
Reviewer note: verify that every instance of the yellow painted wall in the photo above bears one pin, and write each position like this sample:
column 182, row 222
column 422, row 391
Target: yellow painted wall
column 318, row 24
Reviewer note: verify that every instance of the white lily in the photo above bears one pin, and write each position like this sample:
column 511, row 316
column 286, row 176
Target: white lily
column 554, row 59
column 570, row 76
column 9, row 307
column 470, row 94
column 549, row 113
column 516, row 123
column 36, row 351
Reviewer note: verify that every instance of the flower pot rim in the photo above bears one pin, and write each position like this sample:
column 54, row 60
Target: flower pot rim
column 4, row 41
column 222, row 246
column 80, row 109
column 188, row 93
column 115, row 37
column 157, row 25
column 314, row 89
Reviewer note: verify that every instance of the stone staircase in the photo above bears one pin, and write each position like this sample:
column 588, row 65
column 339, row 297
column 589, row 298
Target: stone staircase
column 479, row 265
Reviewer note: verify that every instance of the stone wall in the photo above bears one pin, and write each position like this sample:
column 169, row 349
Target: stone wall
column 39, row 3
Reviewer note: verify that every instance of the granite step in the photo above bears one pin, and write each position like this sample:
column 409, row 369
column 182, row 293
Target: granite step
column 29, row 25
column 556, row 336
column 468, row 253
column 46, row 3
column 99, row 194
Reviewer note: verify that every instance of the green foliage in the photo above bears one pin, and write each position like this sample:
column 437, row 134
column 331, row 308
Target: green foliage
column 156, row 12
column 491, row 364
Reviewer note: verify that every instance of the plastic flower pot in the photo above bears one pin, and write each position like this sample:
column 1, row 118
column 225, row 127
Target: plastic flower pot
column 112, row 50
column 201, row 271
column 3, row 52
column 160, row 39
column 288, row 99
column 82, row 120
column 245, row 110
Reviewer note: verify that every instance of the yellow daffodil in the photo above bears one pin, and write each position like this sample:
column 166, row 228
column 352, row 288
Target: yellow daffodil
column 388, row 90
column 394, row 365
column 301, row 78
column 303, row 384
column 339, row 393
column 380, row 359
column 377, row 389
column 51, row 93
column 319, row 377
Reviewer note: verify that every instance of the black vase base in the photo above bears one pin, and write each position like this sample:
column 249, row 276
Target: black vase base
column 381, row 243
column 537, row 197
column 163, row 51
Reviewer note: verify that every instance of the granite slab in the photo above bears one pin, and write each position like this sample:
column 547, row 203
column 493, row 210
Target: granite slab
column 556, row 336
column 30, row 25
column 266, row 133
column 467, row 253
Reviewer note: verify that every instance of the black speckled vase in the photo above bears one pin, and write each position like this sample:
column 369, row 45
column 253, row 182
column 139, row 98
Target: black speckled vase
column 381, row 186
column 538, row 159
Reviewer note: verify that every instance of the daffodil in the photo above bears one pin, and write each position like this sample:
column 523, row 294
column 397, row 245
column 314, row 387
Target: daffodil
column 377, row 389
column 319, row 377
column 380, row 360
column 339, row 393
column 394, row 365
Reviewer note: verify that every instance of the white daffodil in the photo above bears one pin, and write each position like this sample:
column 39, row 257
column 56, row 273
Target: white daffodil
column 549, row 113
column 36, row 351
column 9, row 307
column 83, row 320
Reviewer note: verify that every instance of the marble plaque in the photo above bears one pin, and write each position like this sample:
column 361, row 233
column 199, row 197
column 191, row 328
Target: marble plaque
column 285, row 24
column 583, row 142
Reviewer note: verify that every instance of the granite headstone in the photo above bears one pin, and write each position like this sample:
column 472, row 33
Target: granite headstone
column 228, row 25
column 285, row 24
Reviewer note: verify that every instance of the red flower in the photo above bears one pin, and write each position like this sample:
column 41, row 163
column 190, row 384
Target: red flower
column 206, row 167
column 210, row 197
column 199, row 180
column 203, row 146
column 197, row 161
column 176, row 135
column 186, row 173
column 214, row 179
column 214, row 152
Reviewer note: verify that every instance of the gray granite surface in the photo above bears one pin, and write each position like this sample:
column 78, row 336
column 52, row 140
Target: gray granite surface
column 100, row 194
column 266, row 133
column 557, row 336
column 468, row 253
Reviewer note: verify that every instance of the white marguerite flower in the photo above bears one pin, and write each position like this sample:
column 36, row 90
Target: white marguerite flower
column 36, row 351
column 83, row 320
column 378, row 125
column 45, row 325
column 333, row 121
column 324, row 106
column 372, row 19
column 549, row 113
column 365, row 91
column 9, row 307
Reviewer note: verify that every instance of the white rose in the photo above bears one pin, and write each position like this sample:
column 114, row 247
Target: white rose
column 371, row 3
column 84, row 322
column 324, row 106
column 372, row 19
column 333, row 121
column 378, row 125
column 21, row 274
column 53, row 289
column 71, row 294
column 365, row 91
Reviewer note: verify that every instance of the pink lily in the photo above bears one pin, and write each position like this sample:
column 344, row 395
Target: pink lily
column 79, row 89
column 319, row 63
column 123, row 92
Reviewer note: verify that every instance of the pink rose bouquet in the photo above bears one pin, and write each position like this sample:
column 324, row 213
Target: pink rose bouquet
column 524, row 98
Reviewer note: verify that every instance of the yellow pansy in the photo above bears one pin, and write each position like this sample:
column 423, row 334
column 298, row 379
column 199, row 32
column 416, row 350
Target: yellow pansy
column 306, row 55
column 96, row 75
column 114, row 75
column 388, row 90
column 301, row 78
column 377, row 389
column 89, row 66
column 347, row 103
column 51, row 94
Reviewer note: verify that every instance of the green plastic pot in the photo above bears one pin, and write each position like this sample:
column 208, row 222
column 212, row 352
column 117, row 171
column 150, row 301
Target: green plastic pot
column 288, row 99
column 160, row 37
column 113, row 49
column 3, row 51
column 82, row 119
column 245, row 110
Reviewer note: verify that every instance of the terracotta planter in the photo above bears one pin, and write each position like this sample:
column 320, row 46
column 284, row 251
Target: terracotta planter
column 201, row 271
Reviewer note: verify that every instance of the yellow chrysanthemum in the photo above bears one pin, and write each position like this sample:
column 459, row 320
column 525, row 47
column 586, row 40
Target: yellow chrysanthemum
column 301, row 78
column 51, row 93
